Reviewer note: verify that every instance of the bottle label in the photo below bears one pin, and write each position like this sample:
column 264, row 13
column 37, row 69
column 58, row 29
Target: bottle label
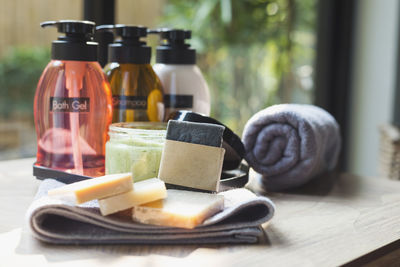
column 178, row 101
column 129, row 102
column 69, row 104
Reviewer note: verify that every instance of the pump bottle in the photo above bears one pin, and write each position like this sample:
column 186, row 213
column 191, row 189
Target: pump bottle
column 184, row 85
column 73, row 105
column 136, row 90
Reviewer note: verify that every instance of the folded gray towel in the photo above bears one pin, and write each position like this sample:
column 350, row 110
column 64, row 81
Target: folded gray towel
column 289, row 144
column 59, row 222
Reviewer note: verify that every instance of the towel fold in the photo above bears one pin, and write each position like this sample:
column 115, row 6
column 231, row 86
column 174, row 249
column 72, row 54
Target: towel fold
column 59, row 222
column 289, row 144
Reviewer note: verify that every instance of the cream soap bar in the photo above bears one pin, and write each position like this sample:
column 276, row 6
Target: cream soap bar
column 192, row 156
column 95, row 188
column 145, row 191
column 185, row 209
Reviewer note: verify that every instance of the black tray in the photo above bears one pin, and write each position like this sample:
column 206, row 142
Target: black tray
column 232, row 178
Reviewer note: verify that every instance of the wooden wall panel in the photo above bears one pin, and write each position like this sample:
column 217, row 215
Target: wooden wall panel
column 19, row 19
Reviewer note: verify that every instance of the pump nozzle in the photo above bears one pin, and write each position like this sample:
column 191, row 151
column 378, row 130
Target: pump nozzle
column 129, row 48
column 77, row 43
column 128, row 33
column 176, row 36
column 173, row 49
column 72, row 27
column 172, row 35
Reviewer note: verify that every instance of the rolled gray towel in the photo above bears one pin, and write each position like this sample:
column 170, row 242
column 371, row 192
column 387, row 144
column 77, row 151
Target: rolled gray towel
column 289, row 144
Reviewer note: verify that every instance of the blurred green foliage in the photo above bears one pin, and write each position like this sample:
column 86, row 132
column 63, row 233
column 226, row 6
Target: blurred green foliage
column 253, row 53
column 20, row 70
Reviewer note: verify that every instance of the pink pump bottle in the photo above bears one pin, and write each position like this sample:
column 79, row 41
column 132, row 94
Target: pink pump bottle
column 73, row 103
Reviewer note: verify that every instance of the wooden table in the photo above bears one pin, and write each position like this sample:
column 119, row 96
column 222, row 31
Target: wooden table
column 337, row 219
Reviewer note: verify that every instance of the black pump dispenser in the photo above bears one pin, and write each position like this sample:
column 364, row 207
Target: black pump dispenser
column 174, row 50
column 129, row 48
column 77, row 44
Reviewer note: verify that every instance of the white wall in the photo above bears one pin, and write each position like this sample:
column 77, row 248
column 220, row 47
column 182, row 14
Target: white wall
column 374, row 73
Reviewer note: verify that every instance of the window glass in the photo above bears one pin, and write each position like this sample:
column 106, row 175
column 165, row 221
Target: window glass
column 253, row 53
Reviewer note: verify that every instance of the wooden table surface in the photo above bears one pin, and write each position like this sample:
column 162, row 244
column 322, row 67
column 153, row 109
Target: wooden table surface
column 335, row 220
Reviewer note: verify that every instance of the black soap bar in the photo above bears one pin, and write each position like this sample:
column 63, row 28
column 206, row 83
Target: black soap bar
column 195, row 133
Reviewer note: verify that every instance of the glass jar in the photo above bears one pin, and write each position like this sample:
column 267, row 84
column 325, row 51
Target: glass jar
column 135, row 147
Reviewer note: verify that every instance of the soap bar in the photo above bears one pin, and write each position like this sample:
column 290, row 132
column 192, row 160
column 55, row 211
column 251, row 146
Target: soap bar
column 145, row 191
column 185, row 209
column 95, row 188
column 192, row 156
column 195, row 133
column 191, row 165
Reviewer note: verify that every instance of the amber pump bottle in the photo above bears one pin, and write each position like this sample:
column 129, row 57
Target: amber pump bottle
column 136, row 90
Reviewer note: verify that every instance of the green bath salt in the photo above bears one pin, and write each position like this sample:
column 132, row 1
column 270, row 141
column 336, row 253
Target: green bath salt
column 136, row 148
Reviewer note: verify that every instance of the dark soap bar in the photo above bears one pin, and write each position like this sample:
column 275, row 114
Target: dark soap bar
column 196, row 133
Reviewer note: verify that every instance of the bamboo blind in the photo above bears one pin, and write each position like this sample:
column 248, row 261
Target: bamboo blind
column 19, row 19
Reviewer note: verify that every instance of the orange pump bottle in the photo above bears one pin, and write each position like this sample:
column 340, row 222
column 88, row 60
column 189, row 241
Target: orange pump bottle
column 73, row 104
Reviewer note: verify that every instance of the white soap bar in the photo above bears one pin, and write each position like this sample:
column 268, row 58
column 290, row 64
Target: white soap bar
column 145, row 191
column 95, row 188
column 181, row 208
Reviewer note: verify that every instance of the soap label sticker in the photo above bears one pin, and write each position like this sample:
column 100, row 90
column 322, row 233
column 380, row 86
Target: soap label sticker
column 129, row 102
column 178, row 101
column 69, row 104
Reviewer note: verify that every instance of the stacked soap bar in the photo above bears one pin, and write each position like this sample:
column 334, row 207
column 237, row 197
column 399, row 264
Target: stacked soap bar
column 115, row 192
column 181, row 208
column 149, row 200
column 145, row 191
column 95, row 188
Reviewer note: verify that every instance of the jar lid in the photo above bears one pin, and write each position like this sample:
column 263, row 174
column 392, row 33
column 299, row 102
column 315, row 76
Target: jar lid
column 234, row 148
column 137, row 127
